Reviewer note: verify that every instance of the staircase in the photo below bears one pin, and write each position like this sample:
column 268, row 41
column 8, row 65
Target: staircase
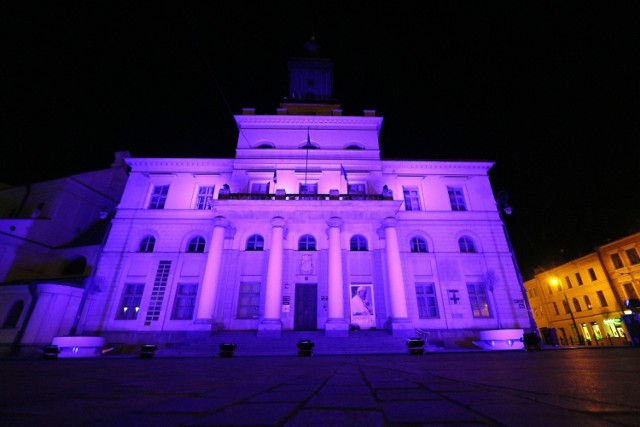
column 249, row 344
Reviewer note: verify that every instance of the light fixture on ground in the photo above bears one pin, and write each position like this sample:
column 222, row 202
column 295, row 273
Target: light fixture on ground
column 227, row 349
column 305, row 348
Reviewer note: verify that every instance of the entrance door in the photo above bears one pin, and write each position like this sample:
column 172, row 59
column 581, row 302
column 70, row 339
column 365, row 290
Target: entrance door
column 306, row 307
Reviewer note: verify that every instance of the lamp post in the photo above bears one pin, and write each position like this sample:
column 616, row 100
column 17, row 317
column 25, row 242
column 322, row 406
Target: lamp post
column 502, row 201
column 104, row 216
column 556, row 282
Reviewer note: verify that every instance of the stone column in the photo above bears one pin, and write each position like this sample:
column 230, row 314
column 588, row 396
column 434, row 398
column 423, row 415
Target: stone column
column 209, row 288
column 336, row 324
column 399, row 319
column 271, row 324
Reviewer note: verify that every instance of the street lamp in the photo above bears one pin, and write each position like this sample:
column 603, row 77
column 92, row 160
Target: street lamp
column 502, row 201
column 556, row 282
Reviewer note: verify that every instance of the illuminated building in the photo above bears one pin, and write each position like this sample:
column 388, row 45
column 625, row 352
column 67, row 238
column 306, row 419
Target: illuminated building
column 50, row 239
column 282, row 236
column 582, row 301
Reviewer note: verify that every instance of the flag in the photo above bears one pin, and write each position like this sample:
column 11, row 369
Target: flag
column 343, row 172
column 275, row 176
column 308, row 141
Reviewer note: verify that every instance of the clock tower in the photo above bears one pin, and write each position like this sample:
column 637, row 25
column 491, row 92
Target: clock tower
column 310, row 84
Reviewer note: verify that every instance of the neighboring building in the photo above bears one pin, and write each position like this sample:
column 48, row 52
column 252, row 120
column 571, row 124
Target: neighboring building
column 584, row 301
column 307, row 228
column 50, row 237
column 283, row 236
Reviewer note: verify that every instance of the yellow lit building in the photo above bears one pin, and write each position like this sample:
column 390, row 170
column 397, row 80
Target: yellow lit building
column 583, row 301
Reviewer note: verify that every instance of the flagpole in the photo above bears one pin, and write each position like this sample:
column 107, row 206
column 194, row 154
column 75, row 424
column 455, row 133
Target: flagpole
column 306, row 162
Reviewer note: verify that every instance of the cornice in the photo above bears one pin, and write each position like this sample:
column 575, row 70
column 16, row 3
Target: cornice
column 295, row 121
column 178, row 164
column 407, row 166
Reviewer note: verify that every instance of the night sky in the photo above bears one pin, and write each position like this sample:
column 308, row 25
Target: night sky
column 547, row 90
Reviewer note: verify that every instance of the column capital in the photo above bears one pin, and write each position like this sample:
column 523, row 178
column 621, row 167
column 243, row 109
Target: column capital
column 389, row 222
column 278, row 221
column 220, row 221
column 335, row 221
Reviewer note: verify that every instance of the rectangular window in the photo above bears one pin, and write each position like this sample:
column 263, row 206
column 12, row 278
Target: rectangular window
column 185, row 301
column 579, row 279
column 356, row 191
column 555, row 309
column 632, row 254
column 249, row 300
column 603, row 300
column 592, row 275
column 617, row 261
column 157, row 292
column 411, row 199
column 130, row 302
column 478, row 300
column 158, row 197
column 568, row 280
column 205, row 196
column 630, row 291
column 456, row 198
column 427, row 303
column 259, row 190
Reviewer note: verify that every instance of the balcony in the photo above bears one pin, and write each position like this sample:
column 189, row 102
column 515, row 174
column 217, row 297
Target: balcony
column 283, row 196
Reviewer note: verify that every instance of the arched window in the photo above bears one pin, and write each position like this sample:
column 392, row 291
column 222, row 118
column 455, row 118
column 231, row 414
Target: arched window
column 11, row 321
column 466, row 245
column 358, row 243
column 307, row 243
column 265, row 146
column 587, row 303
column 576, row 304
column 196, row 245
column 255, row 243
column 418, row 244
column 354, row 147
column 147, row 244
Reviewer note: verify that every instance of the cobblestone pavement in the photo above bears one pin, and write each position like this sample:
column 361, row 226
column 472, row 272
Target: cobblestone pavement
column 577, row 387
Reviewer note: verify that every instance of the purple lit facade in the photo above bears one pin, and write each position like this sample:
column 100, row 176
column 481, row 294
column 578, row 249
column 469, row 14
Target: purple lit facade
column 282, row 236
column 422, row 236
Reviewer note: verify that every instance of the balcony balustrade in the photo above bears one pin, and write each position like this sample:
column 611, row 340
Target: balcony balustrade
column 280, row 196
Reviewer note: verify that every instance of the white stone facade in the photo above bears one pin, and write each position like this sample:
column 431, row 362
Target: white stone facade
column 355, row 227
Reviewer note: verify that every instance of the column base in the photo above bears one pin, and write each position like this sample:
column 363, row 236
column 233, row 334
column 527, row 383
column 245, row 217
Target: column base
column 270, row 328
column 336, row 328
column 401, row 327
column 215, row 326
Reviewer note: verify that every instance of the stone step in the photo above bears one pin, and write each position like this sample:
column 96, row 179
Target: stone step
column 250, row 344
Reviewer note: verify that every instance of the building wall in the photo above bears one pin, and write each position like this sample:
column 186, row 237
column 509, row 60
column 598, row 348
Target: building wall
column 45, row 228
column 596, row 305
column 284, row 167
